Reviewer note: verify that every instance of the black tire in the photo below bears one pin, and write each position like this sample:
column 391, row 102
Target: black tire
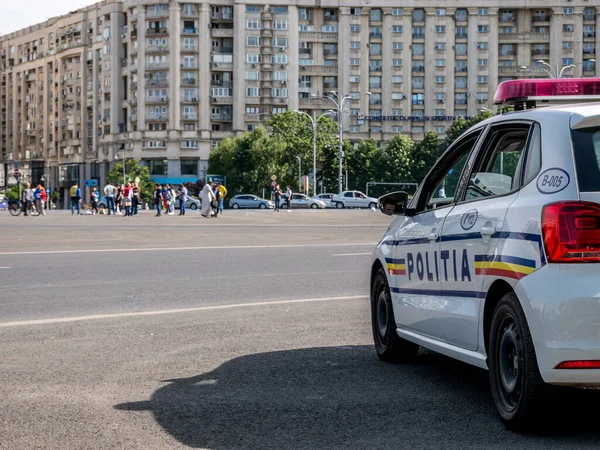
column 262, row 206
column 15, row 209
column 314, row 206
column 235, row 206
column 519, row 392
column 372, row 205
column 339, row 205
column 389, row 346
column 193, row 206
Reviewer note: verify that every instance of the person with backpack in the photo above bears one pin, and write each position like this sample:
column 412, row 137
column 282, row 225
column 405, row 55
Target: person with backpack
column 75, row 193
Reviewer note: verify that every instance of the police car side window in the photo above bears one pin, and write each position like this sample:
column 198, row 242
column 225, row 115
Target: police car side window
column 496, row 169
column 444, row 183
column 534, row 155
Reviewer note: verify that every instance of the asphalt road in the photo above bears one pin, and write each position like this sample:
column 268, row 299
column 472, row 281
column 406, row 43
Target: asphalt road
column 250, row 331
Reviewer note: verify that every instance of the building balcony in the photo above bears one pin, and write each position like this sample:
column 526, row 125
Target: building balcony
column 524, row 37
column 318, row 36
column 222, row 100
column 538, row 52
column 589, row 52
column 159, row 82
column 221, row 66
column 508, row 54
column 221, row 117
column 188, row 31
column 305, row 51
column 160, row 13
column 419, row 36
column 157, row 48
column 157, row 116
column 189, row 66
column 133, row 85
column 331, row 18
column 157, row 66
column 222, row 16
column 462, row 35
column 507, row 19
column 589, row 34
column 222, row 32
column 318, row 70
column 190, row 48
column 222, row 83
column 133, row 118
column 329, row 52
column 190, row 99
column 540, row 18
column 157, row 99
column 189, row 116
column 589, row 17
column 155, row 31
column 133, row 101
column 189, row 82
column 376, row 35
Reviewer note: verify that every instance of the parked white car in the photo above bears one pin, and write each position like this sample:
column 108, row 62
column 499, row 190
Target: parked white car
column 353, row 199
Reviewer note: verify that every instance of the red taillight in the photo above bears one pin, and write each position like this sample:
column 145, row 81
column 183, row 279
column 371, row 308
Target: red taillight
column 590, row 364
column 571, row 232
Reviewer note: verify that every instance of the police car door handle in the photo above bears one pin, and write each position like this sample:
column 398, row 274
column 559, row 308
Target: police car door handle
column 432, row 236
column 488, row 231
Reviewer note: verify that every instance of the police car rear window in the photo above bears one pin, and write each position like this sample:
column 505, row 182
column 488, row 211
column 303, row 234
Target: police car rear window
column 586, row 146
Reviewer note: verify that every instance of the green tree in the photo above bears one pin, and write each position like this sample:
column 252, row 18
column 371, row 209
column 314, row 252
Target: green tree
column 425, row 154
column 460, row 125
column 133, row 170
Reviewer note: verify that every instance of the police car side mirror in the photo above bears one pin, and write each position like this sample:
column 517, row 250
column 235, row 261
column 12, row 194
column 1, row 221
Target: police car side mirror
column 394, row 203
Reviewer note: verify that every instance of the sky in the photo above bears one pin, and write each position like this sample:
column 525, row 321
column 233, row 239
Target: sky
column 18, row 14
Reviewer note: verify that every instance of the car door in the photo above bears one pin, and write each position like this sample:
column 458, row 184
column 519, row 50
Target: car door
column 416, row 266
column 360, row 200
column 471, row 231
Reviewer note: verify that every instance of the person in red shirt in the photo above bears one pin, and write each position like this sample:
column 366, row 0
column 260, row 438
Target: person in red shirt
column 43, row 197
column 127, row 197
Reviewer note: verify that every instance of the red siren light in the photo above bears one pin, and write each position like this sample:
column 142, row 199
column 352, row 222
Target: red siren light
column 575, row 89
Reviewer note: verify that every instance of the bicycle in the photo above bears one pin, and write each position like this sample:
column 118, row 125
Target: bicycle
column 16, row 208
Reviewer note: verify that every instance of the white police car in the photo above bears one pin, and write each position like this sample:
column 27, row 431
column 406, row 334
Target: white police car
column 494, row 260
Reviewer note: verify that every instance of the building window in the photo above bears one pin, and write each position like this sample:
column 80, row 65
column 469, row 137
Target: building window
column 417, row 130
column 279, row 92
column 189, row 144
column 279, row 41
column 280, row 76
column 397, row 112
column 252, row 75
column 461, row 15
column 482, row 62
column 439, row 112
column 375, row 49
column 279, row 59
column 397, row 46
column 157, row 166
column 375, row 15
column 279, row 9
column 440, row 28
column 440, row 63
column 567, row 44
column 482, row 79
column 568, row 28
column 354, row 128
column 252, row 92
column 418, row 49
column 482, row 11
column 397, row 79
column 397, row 12
column 329, row 28
column 439, row 79
column 440, row 130
column 418, row 15
column 281, row 24
column 482, row 46
column 252, row 8
column 253, row 58
column 439, row 97
column 253, row 24
column 252, row 41
column 397, row 62
column 354, row 78
column 354, row 28
column 483, row 28
column 418, row 99
column 397, row 129
column 304, row 14
column 354, row 44
column 355, row 11
column 440, row 11
column 396, row 28
column 355, row 61
column 568, row 11
column 397, row 96
column 567, row 61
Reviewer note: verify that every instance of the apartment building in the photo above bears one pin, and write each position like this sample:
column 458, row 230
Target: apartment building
column 165, row 82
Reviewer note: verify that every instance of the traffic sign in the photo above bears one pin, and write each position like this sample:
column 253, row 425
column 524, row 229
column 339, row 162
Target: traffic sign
column 91, row 183
column 16, row 173
column 273, row 177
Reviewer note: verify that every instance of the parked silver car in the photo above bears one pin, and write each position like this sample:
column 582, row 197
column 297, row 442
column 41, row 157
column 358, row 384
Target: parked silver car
column 303, row 201
column 325, row 198
column 250, row 201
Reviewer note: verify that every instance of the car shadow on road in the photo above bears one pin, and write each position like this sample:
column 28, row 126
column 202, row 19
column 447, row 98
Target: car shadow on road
column 344, row 397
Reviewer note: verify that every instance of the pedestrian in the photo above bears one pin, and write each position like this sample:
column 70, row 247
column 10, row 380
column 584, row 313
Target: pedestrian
column 119, row 199
column 27, row 198
column 277, row 197
column 158, row 199
column 55, row 197
column 44, row 200
column 216, row 201
column 94, row 198
column 75, row 193
column 170, row 194
column 183, row 197
column 127, row 196
column 135, row 200
column 223, row 192
column 173, row 198
column 109, row 192
column 288, row 198
column 37, row 198
column 207, row 198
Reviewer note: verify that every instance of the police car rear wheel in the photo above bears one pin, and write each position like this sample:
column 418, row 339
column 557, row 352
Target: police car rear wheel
column 389, row 346
column 517, row 386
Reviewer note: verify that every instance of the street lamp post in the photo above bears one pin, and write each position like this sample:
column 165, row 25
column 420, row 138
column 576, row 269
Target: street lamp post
column 123, row 155
column 314, row 122
column 299, row 158
column 339, row 104
column 554, row 72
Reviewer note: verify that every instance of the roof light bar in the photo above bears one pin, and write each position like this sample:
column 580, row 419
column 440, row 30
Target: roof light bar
column 527, row 93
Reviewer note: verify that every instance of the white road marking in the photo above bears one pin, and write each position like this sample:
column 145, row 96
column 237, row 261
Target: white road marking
column 174, row 311
column 352, row 254
column 5, row 267
column 160, row 249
